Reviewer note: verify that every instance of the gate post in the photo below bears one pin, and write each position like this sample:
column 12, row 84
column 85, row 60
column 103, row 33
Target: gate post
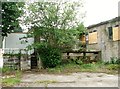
column 19, row 59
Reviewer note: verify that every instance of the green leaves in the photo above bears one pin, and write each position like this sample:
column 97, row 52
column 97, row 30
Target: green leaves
column 55, row 22
column 50, row 56
column 10, row 13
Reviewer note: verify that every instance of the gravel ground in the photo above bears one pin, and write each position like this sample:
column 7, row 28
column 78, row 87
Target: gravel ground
column 70, row 80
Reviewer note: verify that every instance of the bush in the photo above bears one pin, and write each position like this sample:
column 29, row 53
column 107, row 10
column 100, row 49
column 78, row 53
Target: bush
column 50, row 56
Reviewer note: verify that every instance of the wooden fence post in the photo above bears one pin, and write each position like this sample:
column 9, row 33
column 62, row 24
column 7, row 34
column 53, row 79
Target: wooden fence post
column 19, row 59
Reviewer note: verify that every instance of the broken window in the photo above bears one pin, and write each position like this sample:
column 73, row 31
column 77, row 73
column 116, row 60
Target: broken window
column 110, row 32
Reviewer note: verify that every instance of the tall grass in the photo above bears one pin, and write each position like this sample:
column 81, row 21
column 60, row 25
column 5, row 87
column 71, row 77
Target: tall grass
column 10, row 77
column 88, row 67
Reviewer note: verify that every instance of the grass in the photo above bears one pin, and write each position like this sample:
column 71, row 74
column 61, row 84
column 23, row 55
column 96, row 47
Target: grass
column 65, row 68
column 90, row 67
column 6, row 70
column 10, row 81
column 47, row 81
column 10, row 77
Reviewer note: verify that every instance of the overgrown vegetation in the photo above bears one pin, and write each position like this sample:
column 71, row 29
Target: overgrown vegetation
column 50, row 56
column 55, row 24
column 114, row 60
column 7, row 82
column 113, row 64
column 71, row 67
column 7, row 70
column 10, row 77
column 13, row 77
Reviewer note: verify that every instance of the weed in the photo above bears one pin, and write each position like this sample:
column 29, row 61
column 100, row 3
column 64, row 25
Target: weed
column 6, row 70
column 10, row 81
column 112, row 67
column 90, row 67
column 47, row 81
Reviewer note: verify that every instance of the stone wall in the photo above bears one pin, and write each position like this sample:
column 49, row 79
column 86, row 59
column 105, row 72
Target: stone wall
column 108, row 47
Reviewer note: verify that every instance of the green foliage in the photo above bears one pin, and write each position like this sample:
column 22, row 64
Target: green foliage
column 80, row 62
column 114, row 60
column 49, row 56
column 10, row 81
column 113, row 66
column 6, row 69
column 11, row 77
column 56, row 23
column 10, row 13
column 72, row 67
column 81, row 30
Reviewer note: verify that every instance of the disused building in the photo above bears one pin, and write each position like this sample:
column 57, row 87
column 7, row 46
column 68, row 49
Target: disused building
column 105, row 37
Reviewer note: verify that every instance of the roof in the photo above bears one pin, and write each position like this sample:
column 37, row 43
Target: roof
column 17, row 30
column 104, row 22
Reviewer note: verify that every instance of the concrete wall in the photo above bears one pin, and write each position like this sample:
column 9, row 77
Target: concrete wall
column 108, row 47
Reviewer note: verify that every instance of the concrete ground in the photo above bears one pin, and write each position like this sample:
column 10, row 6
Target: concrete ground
column 70, row 80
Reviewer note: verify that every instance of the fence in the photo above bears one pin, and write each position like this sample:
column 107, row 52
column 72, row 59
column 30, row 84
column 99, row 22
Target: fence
column 86, row 56
column 15, row 58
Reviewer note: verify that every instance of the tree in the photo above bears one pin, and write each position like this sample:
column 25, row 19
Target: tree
column 11, row 11
column 57, row 24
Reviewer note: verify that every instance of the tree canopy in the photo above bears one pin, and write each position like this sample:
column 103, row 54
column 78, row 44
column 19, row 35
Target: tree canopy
column 57, row 23
column 11, row 11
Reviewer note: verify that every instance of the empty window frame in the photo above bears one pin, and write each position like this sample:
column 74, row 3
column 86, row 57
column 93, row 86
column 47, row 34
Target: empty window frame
column 110, row 32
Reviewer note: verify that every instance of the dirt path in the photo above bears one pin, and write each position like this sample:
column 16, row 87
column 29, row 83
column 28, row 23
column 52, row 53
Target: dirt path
column 70, row 80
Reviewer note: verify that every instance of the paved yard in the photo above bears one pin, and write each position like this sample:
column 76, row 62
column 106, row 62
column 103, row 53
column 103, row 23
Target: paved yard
column 70, row 80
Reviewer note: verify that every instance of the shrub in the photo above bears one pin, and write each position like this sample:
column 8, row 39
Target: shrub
column 50, row 56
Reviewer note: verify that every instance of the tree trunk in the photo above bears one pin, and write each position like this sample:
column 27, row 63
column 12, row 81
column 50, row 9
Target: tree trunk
column 34, row 62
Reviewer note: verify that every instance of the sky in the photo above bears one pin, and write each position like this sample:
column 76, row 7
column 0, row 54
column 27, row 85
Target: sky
column 100, row 10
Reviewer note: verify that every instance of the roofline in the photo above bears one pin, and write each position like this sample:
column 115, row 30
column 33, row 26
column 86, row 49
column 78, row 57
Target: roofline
column 104, row 22
column 20, row 32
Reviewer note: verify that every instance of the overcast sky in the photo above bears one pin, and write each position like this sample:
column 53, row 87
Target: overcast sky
column 100, row 10
column 97, row 10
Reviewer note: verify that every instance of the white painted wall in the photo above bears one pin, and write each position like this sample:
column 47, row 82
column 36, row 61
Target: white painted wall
column 1, row 58
column 13, row 41
column 0, row 41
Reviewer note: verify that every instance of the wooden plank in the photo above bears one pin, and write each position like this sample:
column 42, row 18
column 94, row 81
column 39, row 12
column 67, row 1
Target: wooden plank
column 92, row 37
column 116, row 32
column 71, row 51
